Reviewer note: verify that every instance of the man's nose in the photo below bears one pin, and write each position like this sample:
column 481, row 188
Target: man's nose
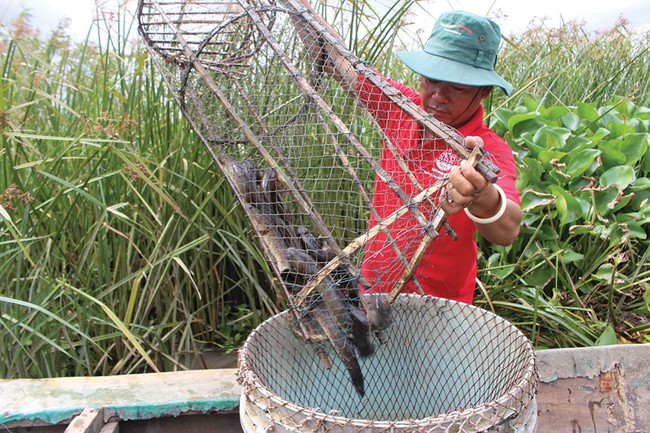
column 440, row 92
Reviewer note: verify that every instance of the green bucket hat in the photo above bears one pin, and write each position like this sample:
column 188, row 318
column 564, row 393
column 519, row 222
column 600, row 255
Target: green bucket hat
column 462, row 49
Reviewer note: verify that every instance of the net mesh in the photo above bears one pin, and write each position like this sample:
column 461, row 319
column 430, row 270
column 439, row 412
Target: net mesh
column 303, row 130
column 445, row 366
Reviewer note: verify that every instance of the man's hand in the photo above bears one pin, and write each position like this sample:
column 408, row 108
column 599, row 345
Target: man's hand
column 469, row 189
column 324, row 55
column 468, row 185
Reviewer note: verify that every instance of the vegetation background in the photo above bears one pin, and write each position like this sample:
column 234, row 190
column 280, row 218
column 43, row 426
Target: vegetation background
column 122, row 250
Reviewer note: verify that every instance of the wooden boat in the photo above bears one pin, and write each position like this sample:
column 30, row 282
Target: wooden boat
column 597, row 389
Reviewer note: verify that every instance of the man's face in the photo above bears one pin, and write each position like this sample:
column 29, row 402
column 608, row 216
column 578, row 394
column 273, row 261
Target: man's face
column 451, row 103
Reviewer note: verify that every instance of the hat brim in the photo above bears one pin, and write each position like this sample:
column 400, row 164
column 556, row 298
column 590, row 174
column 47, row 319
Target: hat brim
column 440, row 68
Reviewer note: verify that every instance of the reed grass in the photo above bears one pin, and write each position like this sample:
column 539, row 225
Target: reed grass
column 122, row 250
column 566, row 64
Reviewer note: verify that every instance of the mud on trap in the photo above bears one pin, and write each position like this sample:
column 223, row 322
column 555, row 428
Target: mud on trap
column 301, row 152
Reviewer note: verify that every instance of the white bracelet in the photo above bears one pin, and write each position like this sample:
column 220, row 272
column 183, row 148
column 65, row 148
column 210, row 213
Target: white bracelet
column 494, row 217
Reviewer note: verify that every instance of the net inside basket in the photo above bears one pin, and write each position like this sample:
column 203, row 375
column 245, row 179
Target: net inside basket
column 443, row 363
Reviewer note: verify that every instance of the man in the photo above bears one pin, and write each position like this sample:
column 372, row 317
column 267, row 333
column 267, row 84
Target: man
column 456, row 67
column 456, row 70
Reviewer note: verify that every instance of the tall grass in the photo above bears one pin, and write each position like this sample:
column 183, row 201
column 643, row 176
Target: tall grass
column 565, row 65
column 121, row 248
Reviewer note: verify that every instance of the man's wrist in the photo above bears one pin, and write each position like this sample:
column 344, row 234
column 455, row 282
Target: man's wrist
column 484, row 217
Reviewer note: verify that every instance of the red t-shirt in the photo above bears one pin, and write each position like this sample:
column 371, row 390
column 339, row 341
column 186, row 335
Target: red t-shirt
column 448, row 267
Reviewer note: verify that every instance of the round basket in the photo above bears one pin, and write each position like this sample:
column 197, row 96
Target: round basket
column 444, row 366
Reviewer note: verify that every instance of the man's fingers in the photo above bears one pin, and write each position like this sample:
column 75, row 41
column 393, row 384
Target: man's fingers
column 465, row 180
column 469, row 173
column 471, row 142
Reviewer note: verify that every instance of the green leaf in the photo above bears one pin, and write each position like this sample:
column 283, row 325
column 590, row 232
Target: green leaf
column 610, row 117
column 641, row 191
column 518, row 124
column 529, row 144
column 577, row 143
column 619, row 129
column 585, row 206
column 571, row 121
column 555, row 113
column 633, row 146
column 606, row 199
column 604, row 272
column 497, row 268
column 501, row 116
column 582, row 185
column 540, row 277
column 635, row 230
column 532, row 168
column 611, row 157
column 546, row 156
column 607, row 338
column 617, row 234
column 587, row 112
column 599, row 134
column 579, row 162
column 622, row 176
column 531, row 103
column 532, row 200
column 551, row 138
column 626, row 107
column 569, row 209
column 570, row 256
column 623, row 202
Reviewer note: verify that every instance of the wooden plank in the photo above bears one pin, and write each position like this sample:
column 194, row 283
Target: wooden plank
column 40, row 402
column 600, row 389
column 581, row 404
column 89, row 421
column 111, row 427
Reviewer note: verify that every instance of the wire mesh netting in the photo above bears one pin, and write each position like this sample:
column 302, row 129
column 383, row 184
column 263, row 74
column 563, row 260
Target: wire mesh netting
column 342, row 198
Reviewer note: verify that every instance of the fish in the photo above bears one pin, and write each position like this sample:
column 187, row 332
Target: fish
column 243, row 176
column 350, row 319
column 378, row 313
column 360, row 331
column 333, row 310
column 270, row 202
column 310, row 244
column 270, row 237
column 329, row 309
column 324, row 254
column 340, row 343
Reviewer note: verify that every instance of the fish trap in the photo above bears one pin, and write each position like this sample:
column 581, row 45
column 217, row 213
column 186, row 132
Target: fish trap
column 302, row 130
column 445, row 367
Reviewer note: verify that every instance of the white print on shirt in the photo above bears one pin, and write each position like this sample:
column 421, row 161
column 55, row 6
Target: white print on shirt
column 446, row 160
